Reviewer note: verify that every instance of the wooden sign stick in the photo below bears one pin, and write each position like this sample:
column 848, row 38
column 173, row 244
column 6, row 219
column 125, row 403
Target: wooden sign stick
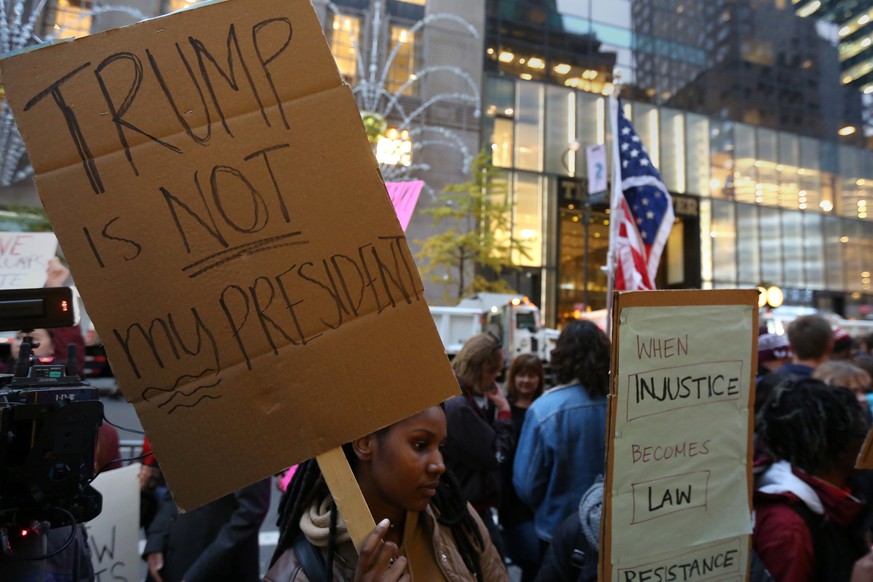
column 349, row 499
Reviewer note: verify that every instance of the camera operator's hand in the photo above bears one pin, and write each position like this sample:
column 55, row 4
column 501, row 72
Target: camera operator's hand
column 156, row 564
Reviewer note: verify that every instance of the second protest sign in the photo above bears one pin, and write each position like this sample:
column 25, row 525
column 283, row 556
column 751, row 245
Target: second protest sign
column 677, row 503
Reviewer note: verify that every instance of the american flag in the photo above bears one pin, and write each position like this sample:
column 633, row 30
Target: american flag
column 642, row 210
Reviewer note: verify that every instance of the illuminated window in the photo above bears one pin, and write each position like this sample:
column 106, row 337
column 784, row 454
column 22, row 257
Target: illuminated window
column 394, row 148
column 72, row 18
column 173, row 5
column 345, row 32
column 502, row 142
column 405, row 64
column 417, row 2
column 527, row 219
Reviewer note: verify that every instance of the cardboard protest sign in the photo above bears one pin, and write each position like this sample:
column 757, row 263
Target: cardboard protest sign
column 24, row 258
column 404, row 196
column 210, row 181
column 113, row 536
column 680, row 427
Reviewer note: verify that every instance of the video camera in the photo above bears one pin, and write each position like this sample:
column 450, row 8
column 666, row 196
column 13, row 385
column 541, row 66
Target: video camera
column 49, row 420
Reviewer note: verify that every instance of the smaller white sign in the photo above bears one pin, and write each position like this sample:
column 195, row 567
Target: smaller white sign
column 114, row 534
column 597, row 174
column 24, row 258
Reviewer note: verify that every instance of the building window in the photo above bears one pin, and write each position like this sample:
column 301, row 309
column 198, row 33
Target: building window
column 502, row 142
column 748, row 246
column 770, row 253
column 672, row 137
column 529, row 127
column 527, row 224
column 813, row 251
column 563, row 150
column 394, row 148
column 696, row 154
column 344, row 40
column 71, row 18
column 405, row 64
column 724, row 245
column 723, row 180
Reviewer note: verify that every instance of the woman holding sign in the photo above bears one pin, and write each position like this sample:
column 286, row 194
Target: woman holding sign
column 426, row 530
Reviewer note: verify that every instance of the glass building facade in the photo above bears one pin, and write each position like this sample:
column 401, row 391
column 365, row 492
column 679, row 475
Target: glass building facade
column 762, row 194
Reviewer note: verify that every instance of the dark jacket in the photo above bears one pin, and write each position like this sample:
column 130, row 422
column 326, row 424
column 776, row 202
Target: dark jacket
column 218, row 541
column 570, row 557
column 513, row 511
column 479, row 443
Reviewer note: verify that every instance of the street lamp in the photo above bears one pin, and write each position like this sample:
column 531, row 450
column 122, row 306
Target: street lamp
column 770, row 296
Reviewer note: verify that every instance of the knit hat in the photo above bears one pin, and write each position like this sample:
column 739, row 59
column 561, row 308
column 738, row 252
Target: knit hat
column 773, row 347
column 590, row 509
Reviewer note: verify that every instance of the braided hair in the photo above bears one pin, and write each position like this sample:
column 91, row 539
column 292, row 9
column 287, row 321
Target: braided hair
column 809, row 424
column 308, row 486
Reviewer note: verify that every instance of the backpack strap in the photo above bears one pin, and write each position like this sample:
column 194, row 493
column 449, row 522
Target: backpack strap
column 311, row 560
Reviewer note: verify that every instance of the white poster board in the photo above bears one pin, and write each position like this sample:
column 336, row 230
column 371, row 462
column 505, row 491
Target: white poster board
column 114, row 534
column 680, row 436
column 24, row 258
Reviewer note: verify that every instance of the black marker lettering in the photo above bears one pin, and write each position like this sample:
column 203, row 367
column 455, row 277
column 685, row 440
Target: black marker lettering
column 170, row 199
column 118, row 113
column 93, row 247
column 235, row 327
column 229, row 76
column 201, row 329
column 166, row 89
column 150, row 340
column 258, row 203
column 136, row 246
column 334, row 294
column 72, row 125
column 279, row 196
column 256, row 30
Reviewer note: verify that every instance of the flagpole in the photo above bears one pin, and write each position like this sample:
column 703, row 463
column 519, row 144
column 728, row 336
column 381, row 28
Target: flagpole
column 615, row 213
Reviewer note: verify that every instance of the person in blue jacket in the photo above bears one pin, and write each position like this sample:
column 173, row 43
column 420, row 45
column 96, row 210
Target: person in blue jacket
column 562, row 445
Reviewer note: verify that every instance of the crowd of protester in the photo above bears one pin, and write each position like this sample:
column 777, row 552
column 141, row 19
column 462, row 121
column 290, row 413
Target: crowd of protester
column 509, row 473
column 513, row 474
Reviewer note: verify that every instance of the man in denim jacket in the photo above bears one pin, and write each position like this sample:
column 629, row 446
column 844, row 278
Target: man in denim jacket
column 562, row 446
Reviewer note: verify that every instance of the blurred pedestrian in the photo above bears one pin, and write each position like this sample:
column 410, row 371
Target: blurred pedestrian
column 524, row 383
column 812, row 341
column 217, row 541
column 845, row 374
column 481, row 436
column 563, row 442
column 774, row 351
